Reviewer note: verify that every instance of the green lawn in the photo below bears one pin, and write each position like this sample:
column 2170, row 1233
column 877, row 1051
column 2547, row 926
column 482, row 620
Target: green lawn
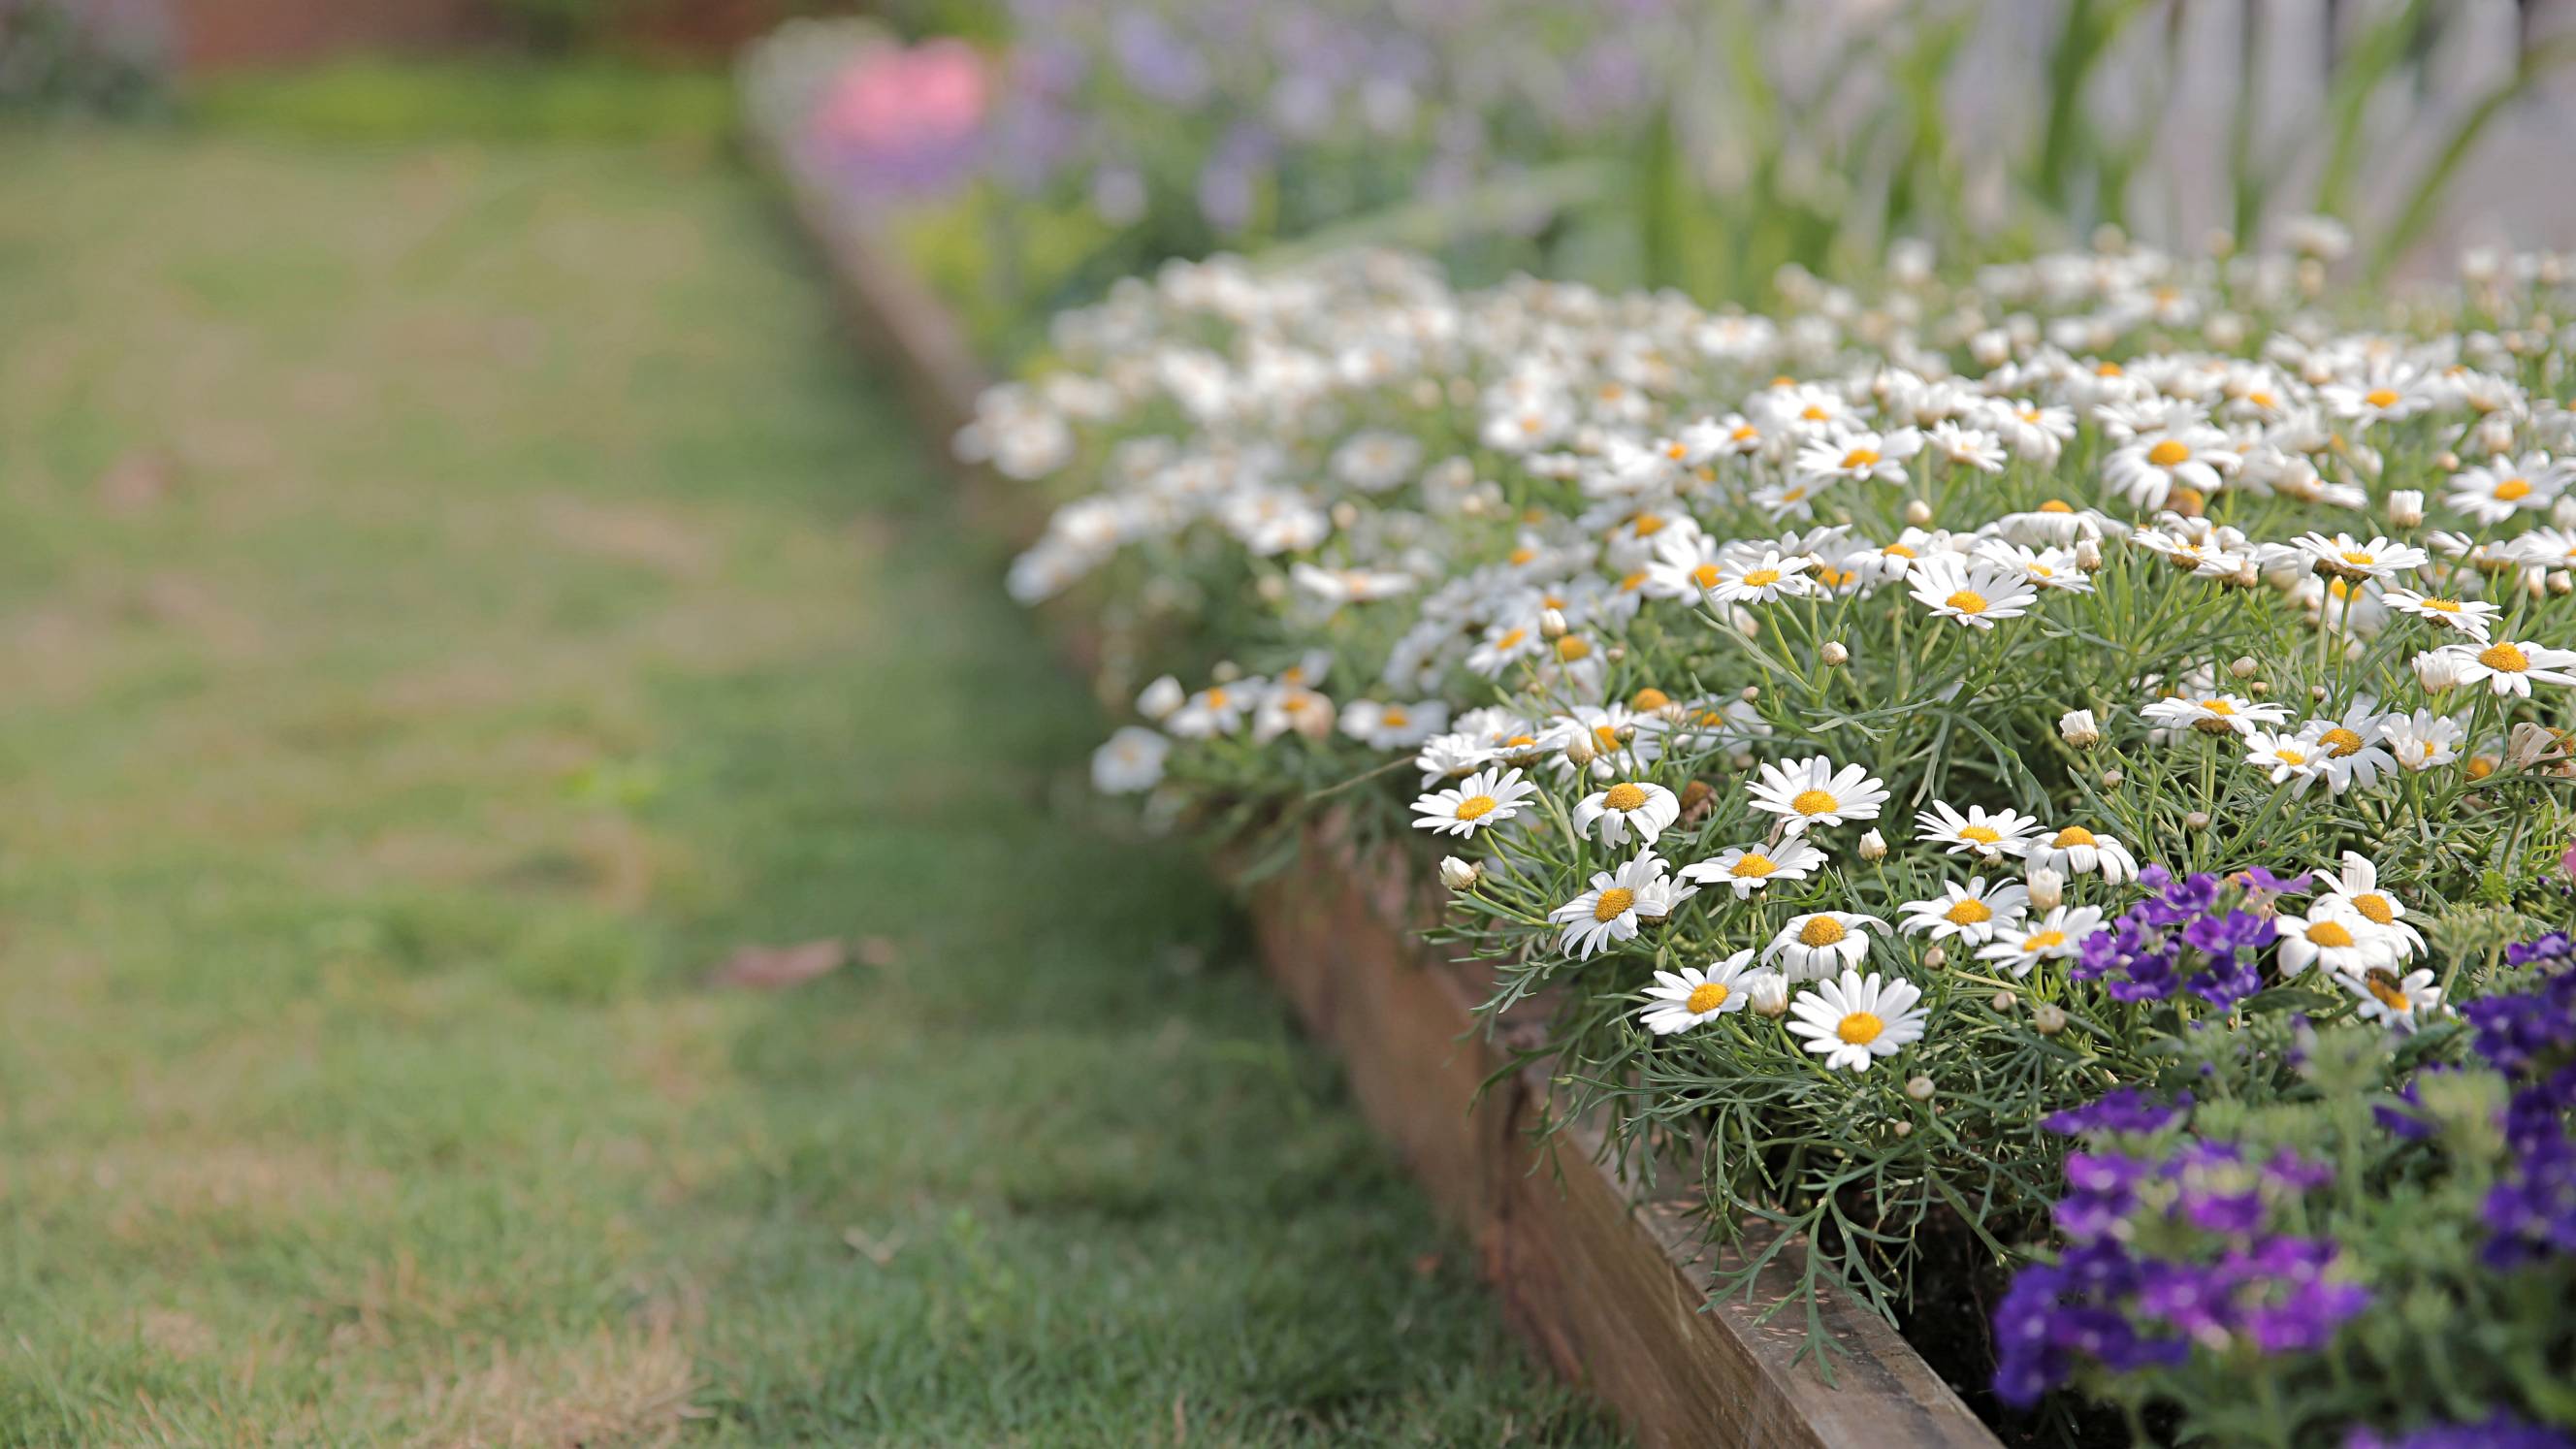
column 452, row 597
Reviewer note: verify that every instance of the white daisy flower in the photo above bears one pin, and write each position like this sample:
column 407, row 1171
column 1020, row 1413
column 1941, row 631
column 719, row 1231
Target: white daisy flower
column 2054, row 937
column 2348, row 558
column 1973, row 593
column 1629, row 805
column 2423, row 740
column 2396, row 1002
column 2503, row 487
column 2512, row 667
column 1393, row 726
column 2146, row 472
column 1350, row 586
column 1748, row 868
column 2213, row 714
column 1810, row 792
column 2286, row 757
column 1858, row 1019
column 1975, row 912
column 1502, row 644
column 2334, row 936
column 2075, row 850
column 2351, row 750
column 2004, row 832
column 2473, row 617
column 2357, row 885
column 1216, row 710
column 1609, row 911
column 1820, row 943
column 1130, row 762
column 1479, row 802
column 1860, row 456
column 1692, row 996
column 1771, row 577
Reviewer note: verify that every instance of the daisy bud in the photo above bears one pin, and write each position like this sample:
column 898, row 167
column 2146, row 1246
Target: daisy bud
column 1271, row 588
column 1919, row 1088
column 2244, row 667
column 2047, row 889
column 1873, row 846
column 1936, row 958
column 1741, row 759
column 1752, row 692
column 1615, row 653
column 2561, row 582
column 2438, row 670
column 1226, row 671
column 2317, row 693
column 2524, row 747
column 1767, row 994
column 1991, row 348
column 1345, row 515
column 1578, row 749
column 2049, row 1018
column 1459, row 875
column 2406, row 508
column 2079, row 728
column 2088, row 555
column 2111, row 778
column 2246, row 575
column 2446, row 461
column 2004, row 1001
column 1834, row 654
column 1918, row 513
column 1160, row 698
column 1551, row 624
column 2259, row 688
column 2535, row 584
column 2196, row 820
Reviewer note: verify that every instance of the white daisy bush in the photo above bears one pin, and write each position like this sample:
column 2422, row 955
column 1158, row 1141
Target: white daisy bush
column 1891, row 728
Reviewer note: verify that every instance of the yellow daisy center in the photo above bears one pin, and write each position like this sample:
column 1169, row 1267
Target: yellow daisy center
column 1631, row 583
column 1706, row 997
column 1861, row 458
column 2381, row 397
column 1608, row 737
column 1744, row 433
column 1860, row 1028
column 1982, row 834
column 1812, row 802
column 1477, row 807
column 1967, row 601
column 1705, row 576
column 1623, row 796
column 1395, row 719
column 2168, row 453
column 2374, row 908
column 1761, row 578
column 2356, row 556
column 1821, row 931
column 2043, row 941
column 1523, row 555
column 1648, row 525
column 2504, row 659
column 2106, row 369
column 1897, row 550
column 2328, row 933
column 1570, row 648
column 2288, row 756
column 1650, row 698
column 2217, row 706
column 2057, row 505
column 2345, row 741
column 1968, row 912
column 2441, row 606
column 1614, row 904
column 2513, row 488
column 2384, row 985
column 2071, row 837
column 1813, row 413
column 1216, row 699
column 1752, row 867
column 1511, row 639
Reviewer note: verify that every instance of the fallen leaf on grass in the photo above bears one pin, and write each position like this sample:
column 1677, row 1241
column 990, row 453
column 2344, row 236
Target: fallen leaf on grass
column 775, row 968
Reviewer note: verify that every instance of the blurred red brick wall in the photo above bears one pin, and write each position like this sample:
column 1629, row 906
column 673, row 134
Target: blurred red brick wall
column 224, row 34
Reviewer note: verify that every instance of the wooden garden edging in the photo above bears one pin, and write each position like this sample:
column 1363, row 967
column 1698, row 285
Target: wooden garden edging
column 1607, row 1278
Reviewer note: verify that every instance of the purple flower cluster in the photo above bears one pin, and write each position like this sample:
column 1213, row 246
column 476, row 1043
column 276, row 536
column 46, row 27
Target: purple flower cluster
column 2105, row 1301
column 2191, row 934
column 2530, row 1037
column 2498, row 1431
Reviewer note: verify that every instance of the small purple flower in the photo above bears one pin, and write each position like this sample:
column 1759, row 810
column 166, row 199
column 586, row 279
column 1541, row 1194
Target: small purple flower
column 2124, row 1110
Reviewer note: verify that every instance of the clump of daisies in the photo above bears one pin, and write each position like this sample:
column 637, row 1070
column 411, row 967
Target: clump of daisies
column 1878, row 727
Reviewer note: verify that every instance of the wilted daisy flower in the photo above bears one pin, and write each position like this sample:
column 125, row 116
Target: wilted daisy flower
column 1748, row 868
column 1609, row 911
column 1131, row 761
column 2472, row 617
column 1680, row 1000
column 1636, row 805
column 2074, row 850
column 2397, row 1002
column 2335, row 936
column 2053, row 937
column 2512, row 667
column 1811, row 792
column 2004, row 832
column 1973, row 593
column 1974, row 912
column 2356, row 885
column 1479, row 802
column 1820, row 943
column 1858, row 1019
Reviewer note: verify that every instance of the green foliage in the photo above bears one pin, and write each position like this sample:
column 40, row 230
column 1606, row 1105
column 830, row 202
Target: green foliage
column 500, row 101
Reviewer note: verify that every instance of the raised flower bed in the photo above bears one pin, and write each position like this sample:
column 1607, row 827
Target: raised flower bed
column 1604, row 1274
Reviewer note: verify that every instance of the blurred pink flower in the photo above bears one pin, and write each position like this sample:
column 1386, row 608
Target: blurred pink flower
column 909, row 118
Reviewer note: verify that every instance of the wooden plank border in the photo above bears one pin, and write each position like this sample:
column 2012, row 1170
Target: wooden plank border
column 1608, row 1278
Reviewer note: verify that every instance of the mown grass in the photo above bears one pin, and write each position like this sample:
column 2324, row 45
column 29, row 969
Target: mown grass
column 449, row 599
